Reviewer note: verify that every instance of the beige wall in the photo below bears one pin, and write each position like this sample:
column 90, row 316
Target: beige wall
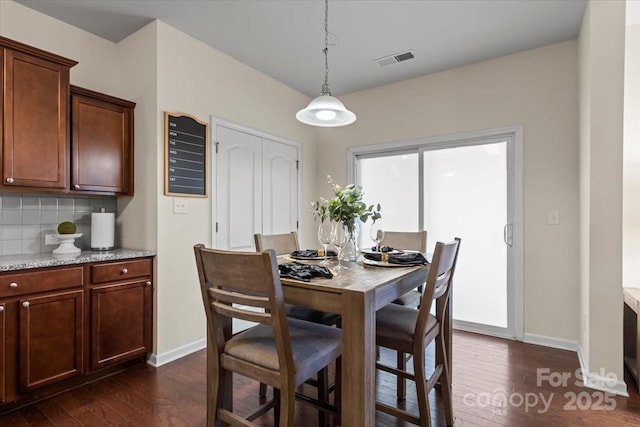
column 631, row 171
column 138, row 216
column 217, row 84
column 601, row 144
column 536, row 89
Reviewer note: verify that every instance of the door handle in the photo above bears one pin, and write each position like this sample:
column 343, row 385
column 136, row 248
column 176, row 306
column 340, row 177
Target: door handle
column 507, row 234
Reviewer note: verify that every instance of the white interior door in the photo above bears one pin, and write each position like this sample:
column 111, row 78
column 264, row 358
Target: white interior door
column 279, row 187
column 238, row 189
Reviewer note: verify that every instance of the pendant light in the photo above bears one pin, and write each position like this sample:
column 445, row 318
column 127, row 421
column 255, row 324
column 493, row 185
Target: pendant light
column 326, row 110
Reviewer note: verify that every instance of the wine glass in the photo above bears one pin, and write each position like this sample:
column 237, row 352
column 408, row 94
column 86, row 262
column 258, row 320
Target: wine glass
column 376, row 233
column 339, row 238
column 325, row 229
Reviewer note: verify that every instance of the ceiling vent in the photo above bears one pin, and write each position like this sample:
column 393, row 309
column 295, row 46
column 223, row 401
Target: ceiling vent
column 395, row 58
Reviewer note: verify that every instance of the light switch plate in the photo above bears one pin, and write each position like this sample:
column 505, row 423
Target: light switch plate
column 553, row 217
column 180, row 206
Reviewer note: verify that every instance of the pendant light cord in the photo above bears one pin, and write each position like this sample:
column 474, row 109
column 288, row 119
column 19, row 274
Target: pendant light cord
column 325, row 86
column 325, row 110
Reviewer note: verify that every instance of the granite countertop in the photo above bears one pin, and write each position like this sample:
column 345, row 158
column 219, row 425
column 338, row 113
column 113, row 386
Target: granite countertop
column 25, row 262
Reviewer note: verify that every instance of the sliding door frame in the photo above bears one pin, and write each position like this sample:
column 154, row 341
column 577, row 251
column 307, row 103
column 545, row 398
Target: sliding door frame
column 515, row 216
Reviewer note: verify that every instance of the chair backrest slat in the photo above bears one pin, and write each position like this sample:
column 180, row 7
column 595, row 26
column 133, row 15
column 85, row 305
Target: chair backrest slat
column 439, row 281
column 281, row 243
column 242, row 275
column 240, row 313
column 413, row 241
column 236, row 298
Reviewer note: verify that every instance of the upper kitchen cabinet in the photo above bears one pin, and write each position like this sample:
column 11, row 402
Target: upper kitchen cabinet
column 101, row 143
column 35, row 118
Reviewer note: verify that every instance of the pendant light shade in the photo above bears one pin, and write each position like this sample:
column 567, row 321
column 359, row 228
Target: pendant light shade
column 326, row 110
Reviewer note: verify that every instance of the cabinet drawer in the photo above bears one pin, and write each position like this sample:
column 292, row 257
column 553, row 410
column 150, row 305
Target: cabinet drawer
column 125, row 270
column 40, row 281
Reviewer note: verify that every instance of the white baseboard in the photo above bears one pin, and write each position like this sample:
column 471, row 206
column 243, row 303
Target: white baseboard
column 491, row 331
column 590, row 379
column 156, row 360
column 599, row 382
column 559, row 343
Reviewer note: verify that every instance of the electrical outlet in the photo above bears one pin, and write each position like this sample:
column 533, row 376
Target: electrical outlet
column 180, row 206
column 50, row 239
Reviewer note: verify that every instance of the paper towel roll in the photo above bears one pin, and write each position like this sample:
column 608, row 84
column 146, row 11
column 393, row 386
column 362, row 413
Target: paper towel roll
column 102, row 231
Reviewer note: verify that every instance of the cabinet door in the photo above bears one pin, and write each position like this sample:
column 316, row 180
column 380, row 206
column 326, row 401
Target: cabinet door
column 34, row 150
column 50, row 339
column 102, row 145
column 3, row 361
column 120, row 322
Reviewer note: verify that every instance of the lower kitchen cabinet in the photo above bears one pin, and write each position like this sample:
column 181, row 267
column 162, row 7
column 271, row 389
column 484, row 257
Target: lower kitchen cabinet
column 63, row 326
column 50, row 339
column 3, row 365
column 120, row 322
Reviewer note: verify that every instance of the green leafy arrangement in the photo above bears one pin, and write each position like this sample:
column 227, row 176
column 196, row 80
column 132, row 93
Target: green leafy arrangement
column 346, row 206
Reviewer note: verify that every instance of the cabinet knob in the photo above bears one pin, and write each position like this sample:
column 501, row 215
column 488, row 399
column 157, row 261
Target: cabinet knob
column 76, row 186
column 25, row 304
column 125, row 271
column 9, row 180
column 1, row 308
column 148, row 282
column 13, row 285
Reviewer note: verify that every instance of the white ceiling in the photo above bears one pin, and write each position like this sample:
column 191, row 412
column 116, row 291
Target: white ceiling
column 284, row 38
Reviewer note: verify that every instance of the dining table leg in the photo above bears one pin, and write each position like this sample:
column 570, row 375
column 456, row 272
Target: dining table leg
column 358, row 359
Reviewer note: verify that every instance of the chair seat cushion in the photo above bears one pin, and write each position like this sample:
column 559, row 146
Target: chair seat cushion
column 410, row 299
column 313, row 346
column 396, row 324
column 311, row 315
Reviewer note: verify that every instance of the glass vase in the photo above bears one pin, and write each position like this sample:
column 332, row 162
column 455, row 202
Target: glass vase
column 351, row 250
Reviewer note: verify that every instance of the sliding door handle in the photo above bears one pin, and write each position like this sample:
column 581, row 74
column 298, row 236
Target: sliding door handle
column 507, row 234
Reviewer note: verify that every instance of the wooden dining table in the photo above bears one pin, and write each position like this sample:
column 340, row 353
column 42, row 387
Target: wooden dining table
column 356, row 294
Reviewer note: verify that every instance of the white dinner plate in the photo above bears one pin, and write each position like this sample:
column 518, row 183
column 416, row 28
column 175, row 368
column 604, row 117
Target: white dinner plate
column 369, row 251
column 382, row 263
column 315, row 258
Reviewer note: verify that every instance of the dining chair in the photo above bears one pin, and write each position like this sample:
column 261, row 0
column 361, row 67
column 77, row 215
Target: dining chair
column 279, row 351
column 413, row 241
column 285, row 244
column 407, row 330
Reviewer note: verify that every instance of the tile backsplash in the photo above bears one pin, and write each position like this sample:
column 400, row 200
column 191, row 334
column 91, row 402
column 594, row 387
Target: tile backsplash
column 26, row 218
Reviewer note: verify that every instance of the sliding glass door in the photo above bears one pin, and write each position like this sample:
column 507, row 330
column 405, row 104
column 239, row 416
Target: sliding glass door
column 457, row 188
column 465, row 195
column 391, row 181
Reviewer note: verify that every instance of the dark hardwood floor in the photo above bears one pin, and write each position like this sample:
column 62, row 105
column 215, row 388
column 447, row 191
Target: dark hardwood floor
column 495, row 383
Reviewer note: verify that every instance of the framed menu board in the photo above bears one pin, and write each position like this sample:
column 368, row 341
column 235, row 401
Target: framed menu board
column 186, row 142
